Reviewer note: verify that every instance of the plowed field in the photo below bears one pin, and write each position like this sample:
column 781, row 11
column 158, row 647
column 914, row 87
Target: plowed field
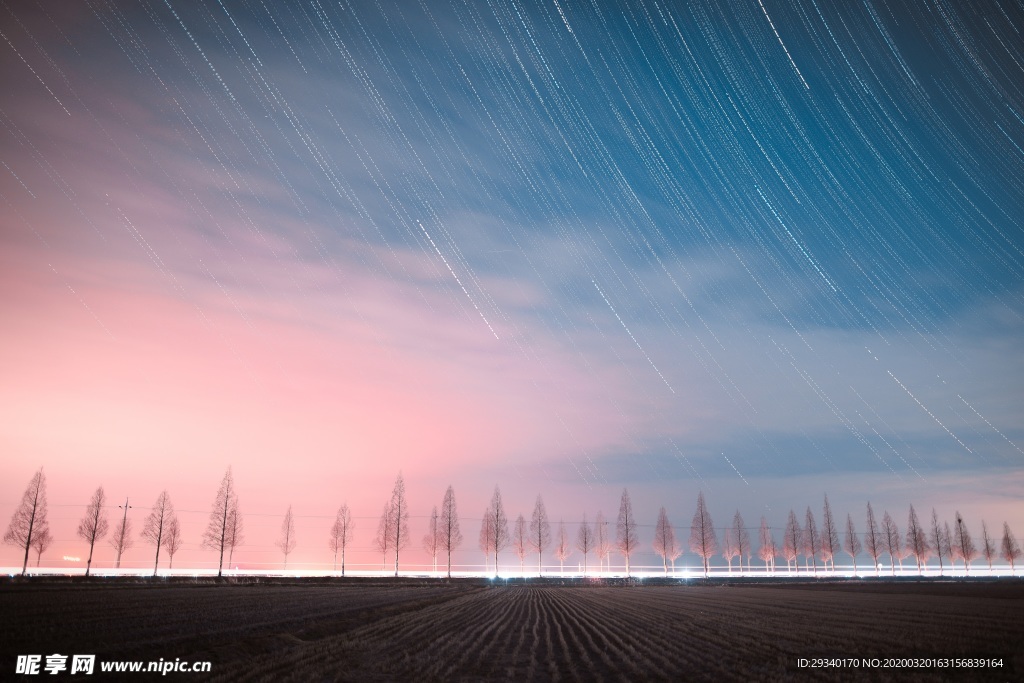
column 413, row 631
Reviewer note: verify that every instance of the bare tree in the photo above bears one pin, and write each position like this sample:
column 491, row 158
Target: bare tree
column 94, row 525
column 702, row 533
column 540, row 532
column 742, row 538
column 626, row 539
column 385, row 534
column 938, row 540
column 872, row 540
column 341, row 534
column 155, row 524
column 602, row 541
column 811, row 540
column 585, row 540
column 487, row 539
column 917, row 540
column 499, row 522
column 172, row 540
column 450, row 536
column 29, row 519
column 287, row 541
column 216, row 537
column 665, row 540
column 729, row 550
column 563, row 549
column 767, row 551
column 234, row 536
column 41, row 541
column 952, row 549
column 1011, row 551
column 791, row 542
column 430, row 543
column 400, row 518
column 851, row 544
column 891, row 538
column 121, row 539
column 988, row 549
column 520, row 542
column 829, row 537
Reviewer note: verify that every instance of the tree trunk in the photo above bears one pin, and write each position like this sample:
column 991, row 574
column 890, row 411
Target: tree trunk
column 88, row 564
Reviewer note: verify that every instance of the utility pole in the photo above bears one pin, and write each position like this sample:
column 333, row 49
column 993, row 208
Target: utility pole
column 126, row 507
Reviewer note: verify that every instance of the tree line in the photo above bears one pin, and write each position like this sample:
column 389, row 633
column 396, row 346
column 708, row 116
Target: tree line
column 29, row 530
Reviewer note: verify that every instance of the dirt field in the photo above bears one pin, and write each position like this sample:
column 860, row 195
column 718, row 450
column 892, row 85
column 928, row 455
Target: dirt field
column 473, row 630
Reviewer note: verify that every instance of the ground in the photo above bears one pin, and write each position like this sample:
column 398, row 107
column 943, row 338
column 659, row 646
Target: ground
column 422, row 630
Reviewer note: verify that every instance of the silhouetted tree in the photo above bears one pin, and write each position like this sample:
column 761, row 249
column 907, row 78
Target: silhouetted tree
column 341, row 534
column 791, row 542
column 729, row 550
column 499, row 522
column 41, row 541
column 233, row 537
column 563, row 549
column 29, row 517
column 430, row 539
column 540, row 532
column 487, row 539
column 451, row 536
column 742, row 539
column 938, row 540
column 873, row 542
column 1011, row 551
column 811, row 540
column 94, row 526
column 520, row 542
column 851, row 544
column 602, row 540
column 893, row 544
column 399, row 526
column 155, row 524
column 952, row 550
column 121, row 539
column 385, row 534
column 917, row 541
column 216, row 537
column 768, row 550
column 988, row 548
column 829, row 537
column 172, row 540
column 665, row 540
column 287, row 541
column 585, row 540
column 702, row 533
column 626, row 539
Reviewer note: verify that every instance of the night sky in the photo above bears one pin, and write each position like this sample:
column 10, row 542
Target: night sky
column 765, row 250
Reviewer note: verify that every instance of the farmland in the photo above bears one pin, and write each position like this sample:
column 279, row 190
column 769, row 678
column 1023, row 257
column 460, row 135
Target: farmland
column 472, row 630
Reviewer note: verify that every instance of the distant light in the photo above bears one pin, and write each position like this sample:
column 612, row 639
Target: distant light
column 69, row 558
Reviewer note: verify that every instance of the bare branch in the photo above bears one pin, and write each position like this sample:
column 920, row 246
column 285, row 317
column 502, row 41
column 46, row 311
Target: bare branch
column 287, row 540
column 341, row 535
column 94, row 525
column 584, row 540
column 155, row 523
column 703, row 540
column 540, row 532
column 451, row 536
column 626, row 539
column 29, row 517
